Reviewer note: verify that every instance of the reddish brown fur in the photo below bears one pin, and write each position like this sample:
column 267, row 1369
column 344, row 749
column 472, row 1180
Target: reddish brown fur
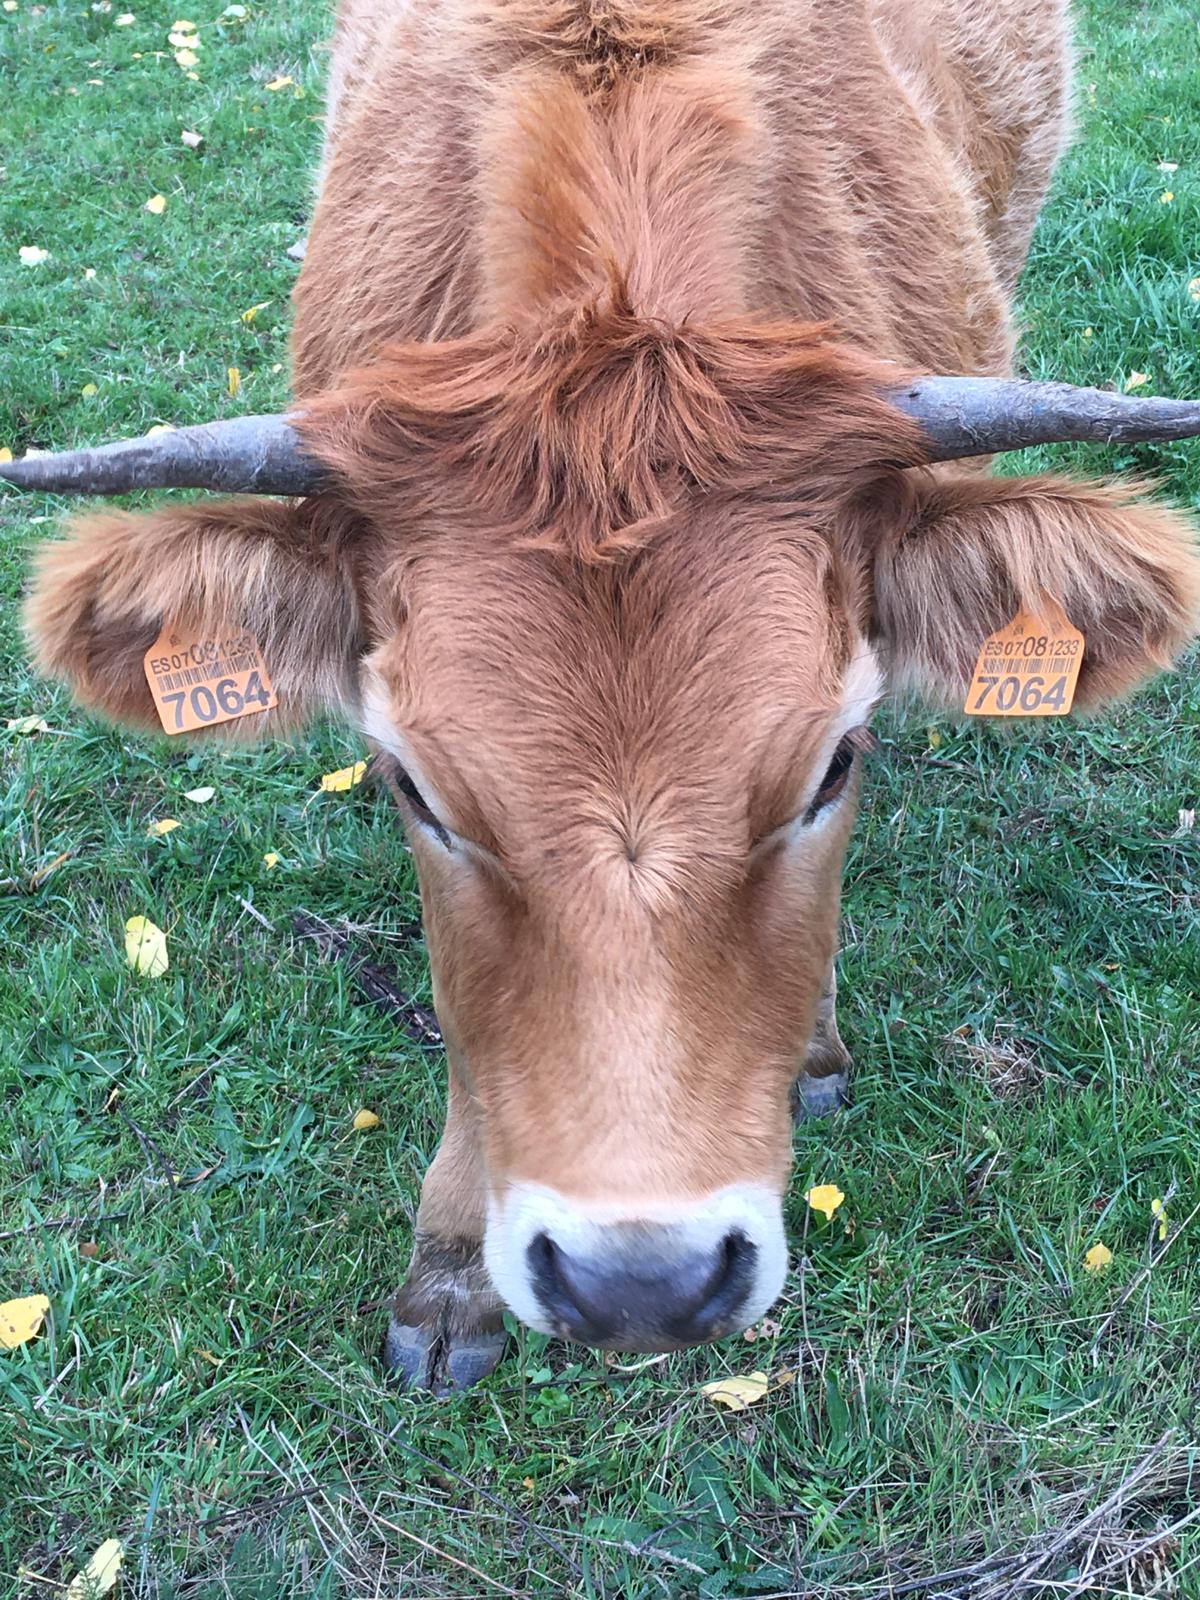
column 597, row 429
column 616, row 745
column 596, row 300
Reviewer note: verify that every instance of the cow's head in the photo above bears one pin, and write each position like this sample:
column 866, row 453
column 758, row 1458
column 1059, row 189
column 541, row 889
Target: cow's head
column 619, row 601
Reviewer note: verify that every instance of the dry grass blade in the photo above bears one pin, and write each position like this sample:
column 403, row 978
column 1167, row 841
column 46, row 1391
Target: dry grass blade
column 1139, row 1278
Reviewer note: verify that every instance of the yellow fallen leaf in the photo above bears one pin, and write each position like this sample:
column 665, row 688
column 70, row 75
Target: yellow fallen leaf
column 183, row 41
column 1166, row 197
column 235, row 380
column 364, row 1121
column 200, row 797
column 114, row 1094
column 146, row 947
column 344, row 778
column 738, row 1394
column 28, row 724
column 186, row 58
column 88, row 390
column 527, row 1483
column 1097, row 1258
column 183, row 26
column 935, row 738
column 193, row 77
column 192, row 140
column 20, row 1320
column 100, row 1574
column 1159, row 1210
column 5, row 453
column 826, row 1198
column 278, row 83
column 89, row 272
column 32, row 255
column 10, row 5
column 157, row 204
column 161, row 826
column 1168, row 166
column 125, row 20
column 271, row 860
column 1194, row 288
column 159, row 427
column 1135, row 380
column 250, row 314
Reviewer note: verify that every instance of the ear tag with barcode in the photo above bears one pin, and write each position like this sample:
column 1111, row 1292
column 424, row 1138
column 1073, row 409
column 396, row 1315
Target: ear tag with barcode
column 1029, row 668
column 200, row 680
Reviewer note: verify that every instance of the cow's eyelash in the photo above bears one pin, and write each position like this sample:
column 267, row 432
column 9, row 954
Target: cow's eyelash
column 837, row 774
column 420, row 807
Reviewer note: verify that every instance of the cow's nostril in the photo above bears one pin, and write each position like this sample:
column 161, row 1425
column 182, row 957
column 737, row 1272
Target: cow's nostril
column 643, row 1286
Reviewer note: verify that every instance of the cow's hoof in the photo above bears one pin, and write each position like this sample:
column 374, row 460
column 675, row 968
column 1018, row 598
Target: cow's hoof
column 446, row 1329
column 434, row 1357
column 820, row 1097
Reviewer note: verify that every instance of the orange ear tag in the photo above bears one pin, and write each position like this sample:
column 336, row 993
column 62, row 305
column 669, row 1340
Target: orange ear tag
column 201, row 680
column 1029, row 668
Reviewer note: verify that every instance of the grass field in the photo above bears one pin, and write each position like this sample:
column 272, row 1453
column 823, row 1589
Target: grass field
column 1019, row 987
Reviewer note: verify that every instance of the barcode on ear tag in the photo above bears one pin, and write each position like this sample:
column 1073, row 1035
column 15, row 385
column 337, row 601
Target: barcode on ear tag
column 1029, row 668
column 201, row 680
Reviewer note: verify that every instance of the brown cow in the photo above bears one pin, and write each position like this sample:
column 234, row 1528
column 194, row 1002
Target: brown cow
column 617, row 540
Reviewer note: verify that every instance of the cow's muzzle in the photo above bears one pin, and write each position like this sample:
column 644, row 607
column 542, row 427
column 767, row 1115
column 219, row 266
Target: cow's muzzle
column 646, row 1288
column 653, row 1276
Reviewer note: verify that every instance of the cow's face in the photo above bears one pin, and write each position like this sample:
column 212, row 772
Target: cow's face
column 627, row 771
column 628, row 789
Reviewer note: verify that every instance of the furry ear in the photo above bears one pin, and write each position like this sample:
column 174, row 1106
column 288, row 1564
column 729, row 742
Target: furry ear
column 277, row 569
column 977, row 550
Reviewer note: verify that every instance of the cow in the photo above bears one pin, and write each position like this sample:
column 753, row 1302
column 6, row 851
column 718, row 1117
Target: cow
column 649, row 356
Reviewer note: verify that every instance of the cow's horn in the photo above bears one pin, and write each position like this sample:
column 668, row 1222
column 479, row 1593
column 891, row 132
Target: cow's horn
column 979, row 416
column 244, row 455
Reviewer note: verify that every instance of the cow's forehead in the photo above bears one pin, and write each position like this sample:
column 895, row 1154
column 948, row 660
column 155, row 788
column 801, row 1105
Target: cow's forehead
column 698, row 675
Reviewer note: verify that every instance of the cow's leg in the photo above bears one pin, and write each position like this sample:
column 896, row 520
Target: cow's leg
column 824, row 1078
column 446, row 1330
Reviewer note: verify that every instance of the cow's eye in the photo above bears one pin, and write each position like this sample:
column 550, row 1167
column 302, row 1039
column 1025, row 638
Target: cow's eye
column 836, row 777
column 418, row 806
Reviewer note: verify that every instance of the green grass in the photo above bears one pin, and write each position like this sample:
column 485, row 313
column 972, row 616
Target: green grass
column 1019, row 988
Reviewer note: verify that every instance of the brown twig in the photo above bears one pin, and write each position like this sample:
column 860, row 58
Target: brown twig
column 149, row 1149
column 416, row 1021
column 67, row 1222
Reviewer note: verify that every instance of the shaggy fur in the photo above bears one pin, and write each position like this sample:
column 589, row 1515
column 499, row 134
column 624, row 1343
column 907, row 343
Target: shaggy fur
column 589, row 435
column 596, row 302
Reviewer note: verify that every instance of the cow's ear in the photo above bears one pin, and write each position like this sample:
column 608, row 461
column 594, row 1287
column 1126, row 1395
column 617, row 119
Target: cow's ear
column 972, row 552
column 279, row 570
